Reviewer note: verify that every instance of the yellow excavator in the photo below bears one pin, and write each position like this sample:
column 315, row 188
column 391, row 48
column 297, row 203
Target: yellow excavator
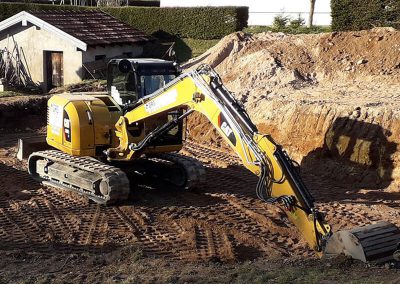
column 94, row 139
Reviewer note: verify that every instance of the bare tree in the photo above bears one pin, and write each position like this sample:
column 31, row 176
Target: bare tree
column 311, row 16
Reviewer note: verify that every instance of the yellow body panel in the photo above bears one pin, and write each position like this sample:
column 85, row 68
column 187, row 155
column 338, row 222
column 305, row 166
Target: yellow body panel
column 59, row 107
column 91, row 124
column 84, row 117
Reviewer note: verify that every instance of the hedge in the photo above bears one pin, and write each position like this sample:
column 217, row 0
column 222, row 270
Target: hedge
column 10, row 9
column 196, row 22
column 364, row 14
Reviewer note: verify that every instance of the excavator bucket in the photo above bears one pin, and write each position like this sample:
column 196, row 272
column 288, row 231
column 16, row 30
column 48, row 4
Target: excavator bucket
column 27, row 146
column 375, row 243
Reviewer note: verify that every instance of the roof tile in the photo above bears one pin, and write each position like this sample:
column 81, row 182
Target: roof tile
column 92, row 27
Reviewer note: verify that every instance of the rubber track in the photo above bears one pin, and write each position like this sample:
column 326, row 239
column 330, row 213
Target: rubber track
column 115, row 178
column 194, row 169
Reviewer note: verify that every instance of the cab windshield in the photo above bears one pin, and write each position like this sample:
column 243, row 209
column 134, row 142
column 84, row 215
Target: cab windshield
column 128, row 85
column 151, row 83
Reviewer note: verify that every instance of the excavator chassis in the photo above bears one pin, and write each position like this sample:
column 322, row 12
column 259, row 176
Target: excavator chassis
column 179, row 171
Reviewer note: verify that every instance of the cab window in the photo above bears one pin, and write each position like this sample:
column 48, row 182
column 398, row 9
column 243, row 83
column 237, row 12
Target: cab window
column 123, row 86
column 151, row 83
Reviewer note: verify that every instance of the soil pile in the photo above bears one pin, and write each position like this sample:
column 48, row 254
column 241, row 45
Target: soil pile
column 348, row 55
column 333, row 95
column 84, row 86
column 22, row 113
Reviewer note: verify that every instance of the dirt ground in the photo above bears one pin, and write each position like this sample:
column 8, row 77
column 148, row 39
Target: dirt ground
column 332, row 100
column 220, row 233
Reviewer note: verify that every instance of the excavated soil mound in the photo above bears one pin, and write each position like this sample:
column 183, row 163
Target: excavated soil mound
column 22, row 113
column 330, row 97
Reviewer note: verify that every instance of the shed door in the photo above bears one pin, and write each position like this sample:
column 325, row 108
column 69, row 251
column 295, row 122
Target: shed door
column 55, row 77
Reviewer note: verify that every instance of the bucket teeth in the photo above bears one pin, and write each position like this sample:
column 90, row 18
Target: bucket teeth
column 375, row 243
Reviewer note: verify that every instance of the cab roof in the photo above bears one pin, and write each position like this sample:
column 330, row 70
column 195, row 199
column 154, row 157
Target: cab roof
column 144, row 61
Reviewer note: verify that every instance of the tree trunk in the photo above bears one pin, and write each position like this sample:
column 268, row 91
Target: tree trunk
column 311, row 16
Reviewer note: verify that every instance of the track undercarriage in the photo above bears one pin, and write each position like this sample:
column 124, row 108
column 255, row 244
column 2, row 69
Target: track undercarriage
column 106, row 184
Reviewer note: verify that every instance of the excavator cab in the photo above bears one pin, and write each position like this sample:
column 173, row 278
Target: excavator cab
column 129, row 80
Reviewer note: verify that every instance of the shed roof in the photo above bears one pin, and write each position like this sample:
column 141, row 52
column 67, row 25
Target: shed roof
column 83, row 28
column 92, row 27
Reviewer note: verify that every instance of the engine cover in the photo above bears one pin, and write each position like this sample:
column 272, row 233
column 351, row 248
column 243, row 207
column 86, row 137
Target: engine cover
column 78, row 124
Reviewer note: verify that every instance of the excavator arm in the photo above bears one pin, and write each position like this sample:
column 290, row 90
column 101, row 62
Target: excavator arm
column 202, row 91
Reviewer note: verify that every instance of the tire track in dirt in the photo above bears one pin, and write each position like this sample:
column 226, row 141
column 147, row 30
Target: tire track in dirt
column 221, row 222
column 13, row 232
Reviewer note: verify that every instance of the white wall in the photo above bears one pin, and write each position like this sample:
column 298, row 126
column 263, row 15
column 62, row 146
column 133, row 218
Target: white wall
column 262, row 12
column 34, row 41
column 112, row 51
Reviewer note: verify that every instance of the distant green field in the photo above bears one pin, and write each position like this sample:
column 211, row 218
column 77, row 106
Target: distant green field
column 187, row 48
column 288, row 30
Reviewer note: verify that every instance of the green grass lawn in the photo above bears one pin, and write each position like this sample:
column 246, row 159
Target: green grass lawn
column 288, row 29
column 187, row 48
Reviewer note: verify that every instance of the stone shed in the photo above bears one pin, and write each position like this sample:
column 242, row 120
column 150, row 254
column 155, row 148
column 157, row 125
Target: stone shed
column 57, row 46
